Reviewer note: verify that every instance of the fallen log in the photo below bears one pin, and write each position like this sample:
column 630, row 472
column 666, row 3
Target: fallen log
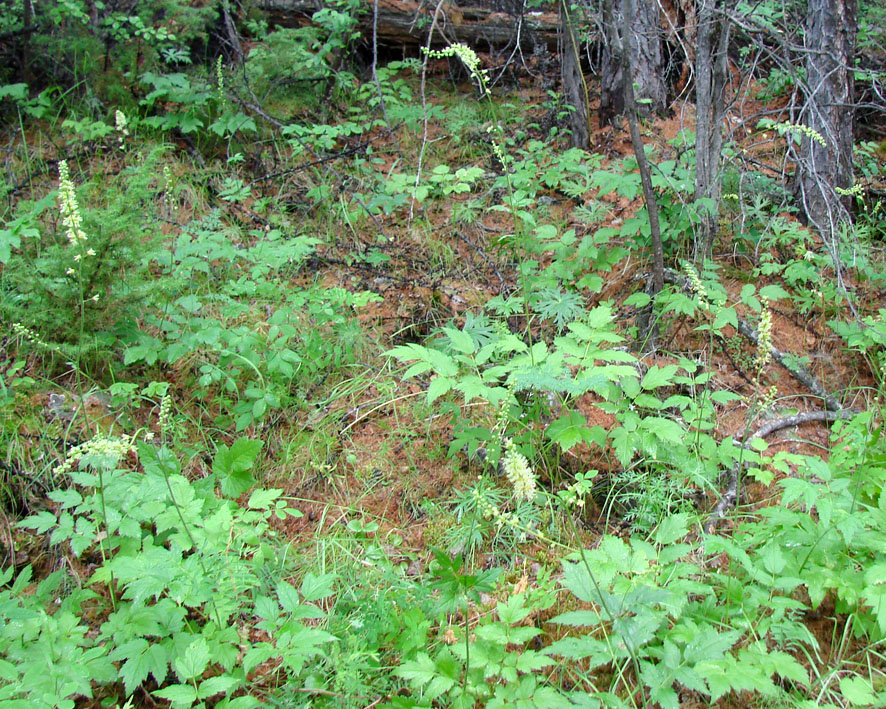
column 406, row 23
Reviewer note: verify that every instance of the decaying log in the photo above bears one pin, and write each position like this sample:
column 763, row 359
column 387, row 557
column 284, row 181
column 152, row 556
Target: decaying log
column 406, row 22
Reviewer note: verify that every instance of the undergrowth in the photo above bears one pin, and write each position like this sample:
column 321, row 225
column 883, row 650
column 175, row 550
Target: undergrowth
column 292, row 418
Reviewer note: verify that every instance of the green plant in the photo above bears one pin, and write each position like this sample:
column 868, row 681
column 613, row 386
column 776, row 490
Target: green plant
column 64, row 280
column 180, row 564
column 490, row 664
column 653, row 609
column 197, row 105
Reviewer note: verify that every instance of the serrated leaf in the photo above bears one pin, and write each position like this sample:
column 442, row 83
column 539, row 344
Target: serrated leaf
column 263, row 499
column 774, row 292
column 314, row 587
column 419, row 671
column 181, row 695
column 656, row 377
column 725, row 316
column 193, row 662
column 461, row 341
column 288, row 596
column 40, row 522
column 222, row 684
column 857, row 691
column 639, row 299
column 708, row 645
column 722, row 396
column 671, row 529
column 438, row 387
column 569, row 430
column 664, row 429
column 232, row 466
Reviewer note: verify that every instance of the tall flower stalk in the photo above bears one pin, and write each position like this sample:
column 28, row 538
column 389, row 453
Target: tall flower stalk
column 78, row 242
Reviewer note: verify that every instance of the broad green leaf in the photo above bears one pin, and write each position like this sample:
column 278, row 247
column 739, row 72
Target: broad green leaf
column 774, row 292
column 314, row 587
column 638, row 300
column 288, row 596
column 263, row 499
column 419, row 671
column 221, row 684
column 461, row 341
column 857, row 691
column 569, row 430
column 709, row 644
column 725, row 316
column 664, row 429
column 438, row 387
column 232, row 466
column 40, row 522
column 656, row 377
column 671, row 529
column 193, row 661
column 180, row 695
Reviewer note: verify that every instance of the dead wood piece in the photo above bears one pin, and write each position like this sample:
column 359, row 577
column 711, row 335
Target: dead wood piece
column 405, row 22
column 730, row 495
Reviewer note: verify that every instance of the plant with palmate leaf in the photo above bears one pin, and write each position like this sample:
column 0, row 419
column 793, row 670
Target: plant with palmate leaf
column 181, row 563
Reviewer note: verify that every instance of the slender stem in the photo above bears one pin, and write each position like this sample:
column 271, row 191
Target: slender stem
column 101, row 544
column 191, row 538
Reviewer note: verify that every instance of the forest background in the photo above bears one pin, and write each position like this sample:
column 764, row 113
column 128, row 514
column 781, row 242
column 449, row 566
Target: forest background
column 460, row 354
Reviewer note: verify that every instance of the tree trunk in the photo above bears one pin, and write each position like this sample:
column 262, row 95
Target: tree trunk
column 831, row 27
column 622, row 45
column 710, row 85
column 647, row 70
column 575, row 89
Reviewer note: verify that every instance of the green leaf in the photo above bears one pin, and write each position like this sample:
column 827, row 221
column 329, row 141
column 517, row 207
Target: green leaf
column 638, row 300
column 193, row 661
column 232, row 466
column 314, row 587
column 569, row 430
column 143, row 659
column 659, row 376
column 40, row 522
column 438, row 387
column 708, row 645
column 461, row 341
column 773, row 558
column 725, row 316
column 671, row 529
column 263, row 499
column 774, row 292
column 288, row 596
column 222, row 684
column 857, row 691
column 419, row 671
column 664, row 429
column 181, row 695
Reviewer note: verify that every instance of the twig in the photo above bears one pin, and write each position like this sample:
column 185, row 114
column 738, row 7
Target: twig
column 730, row 495
column 319, row 158
column 482, row 254
column 424, row 107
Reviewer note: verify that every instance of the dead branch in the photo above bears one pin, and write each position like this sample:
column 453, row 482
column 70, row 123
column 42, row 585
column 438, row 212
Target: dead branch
column 730, row 495
column 795, row 369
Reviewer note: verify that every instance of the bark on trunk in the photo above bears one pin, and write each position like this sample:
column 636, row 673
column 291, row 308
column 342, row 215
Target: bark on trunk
column 647, row 70
column 831, row 28
column 406, row 22
column 574, row 87
column 710, row 85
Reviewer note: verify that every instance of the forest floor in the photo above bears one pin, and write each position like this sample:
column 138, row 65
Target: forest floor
column 367, row 446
